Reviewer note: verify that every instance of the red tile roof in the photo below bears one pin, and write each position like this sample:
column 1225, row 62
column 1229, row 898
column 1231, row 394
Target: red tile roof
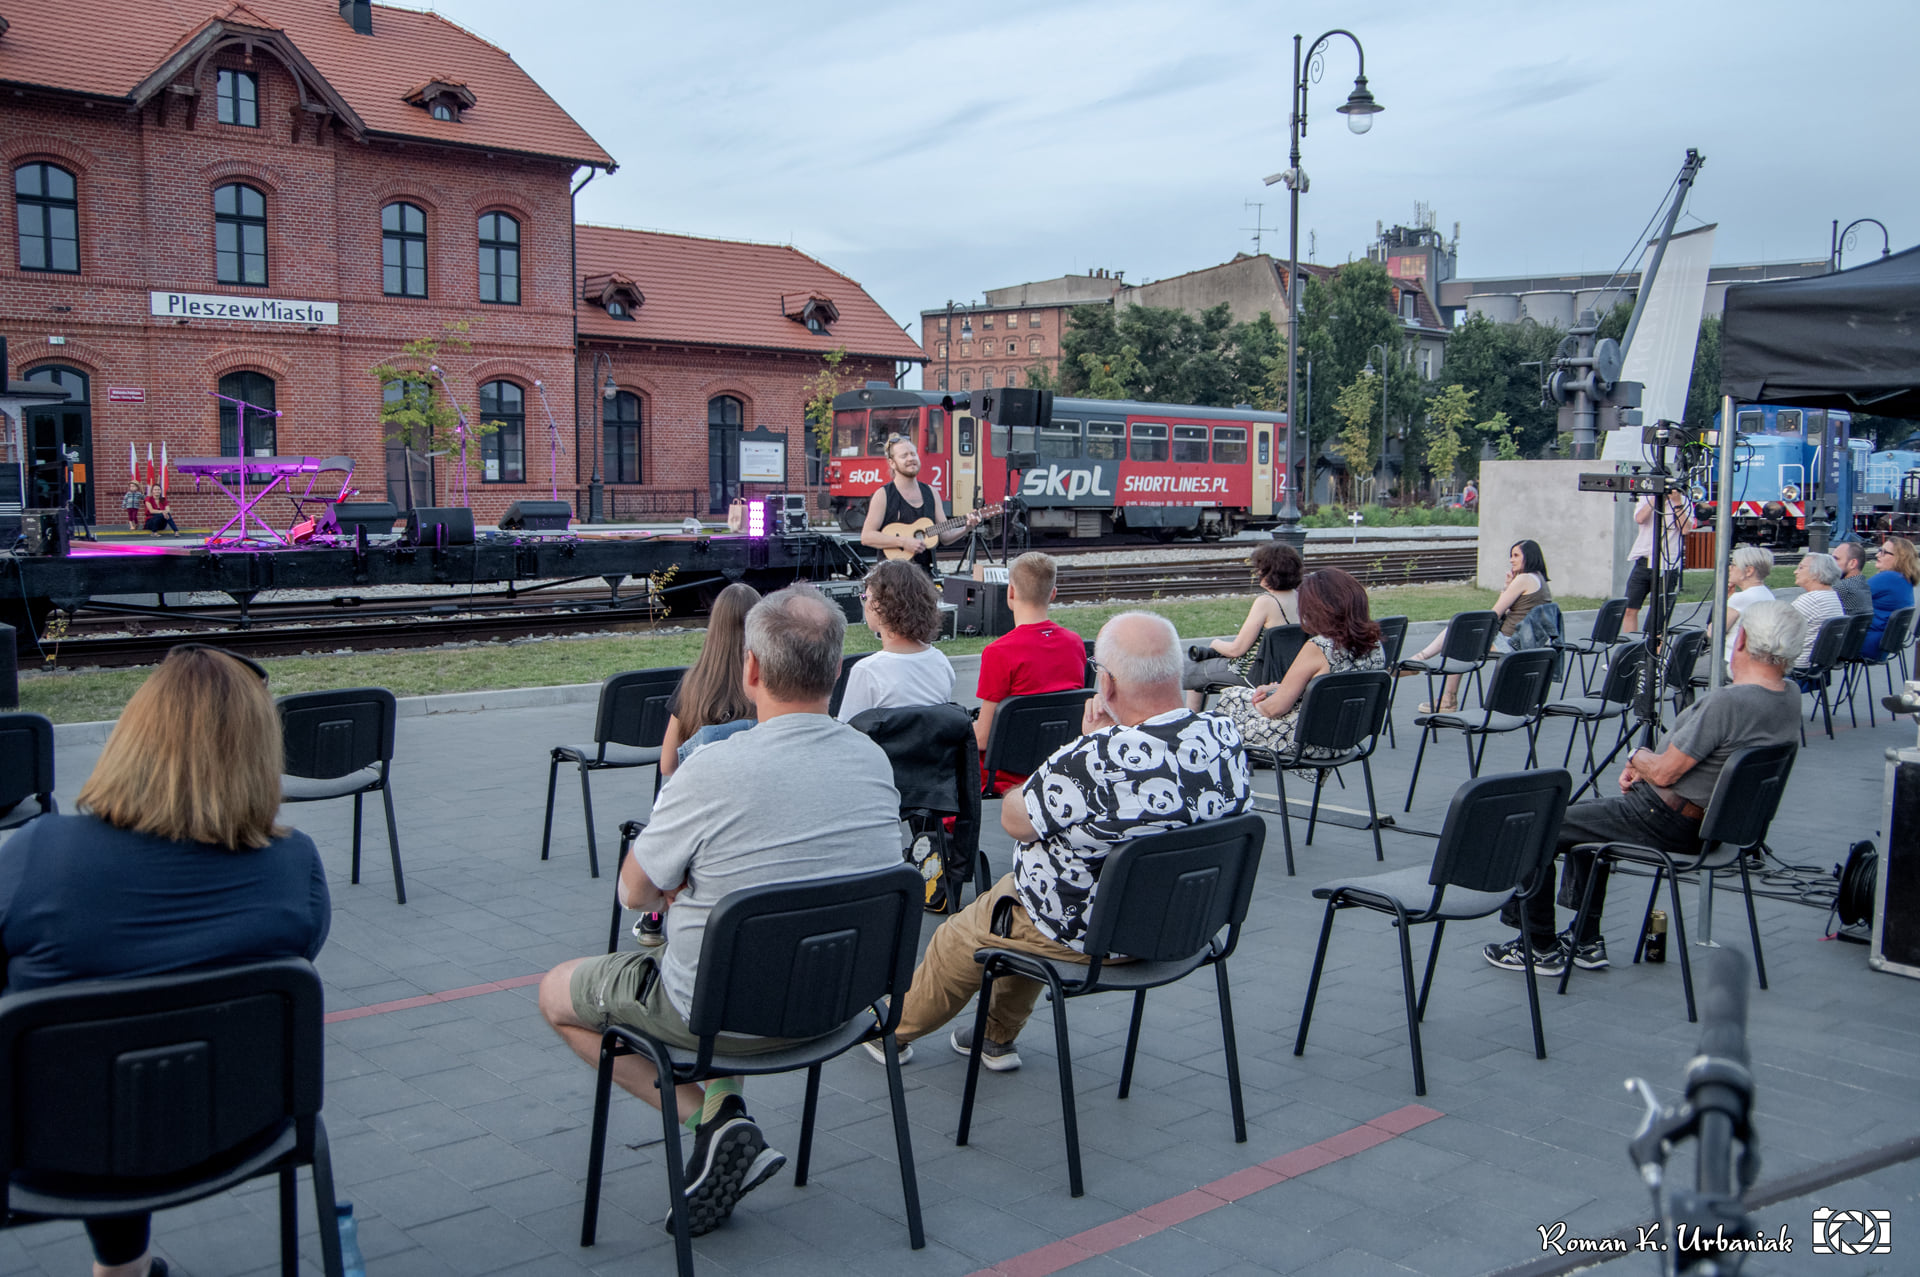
column 718, row 292
column 110, row 48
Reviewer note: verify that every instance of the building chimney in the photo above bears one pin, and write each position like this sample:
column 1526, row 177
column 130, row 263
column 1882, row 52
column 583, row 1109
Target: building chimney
column 358, row 14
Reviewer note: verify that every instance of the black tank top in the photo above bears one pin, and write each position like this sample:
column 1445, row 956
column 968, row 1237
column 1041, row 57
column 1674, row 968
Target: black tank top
column 898, row 511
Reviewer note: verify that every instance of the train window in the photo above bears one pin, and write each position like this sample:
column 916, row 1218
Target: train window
column 1149, row 443
column 1229, row 445
column 1266, row 457
column 884, row 423
column 963, row 435
column 936, row 430
column 849, row 427
column 1787, row 422
column 1061, row 439
column 1749, row 423
column 1104, row 440
column 1190, row 443
column 1023, row 440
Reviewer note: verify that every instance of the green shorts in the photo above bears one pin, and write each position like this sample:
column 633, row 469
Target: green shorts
column 626, row 989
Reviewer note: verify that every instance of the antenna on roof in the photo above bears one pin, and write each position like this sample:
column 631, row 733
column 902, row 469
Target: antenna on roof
column 1257, row 228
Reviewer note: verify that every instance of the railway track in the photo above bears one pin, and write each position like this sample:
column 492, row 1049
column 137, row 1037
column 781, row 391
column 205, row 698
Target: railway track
column 109, row 639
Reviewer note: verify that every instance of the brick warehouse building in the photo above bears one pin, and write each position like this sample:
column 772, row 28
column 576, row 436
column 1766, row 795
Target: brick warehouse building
column 266, row 200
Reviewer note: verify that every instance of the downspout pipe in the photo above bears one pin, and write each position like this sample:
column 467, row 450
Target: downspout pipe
column 573, row 307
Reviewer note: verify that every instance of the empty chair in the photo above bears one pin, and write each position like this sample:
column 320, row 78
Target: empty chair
column 1164, row 901
column 1744, row 801
column 124, row 1097
column 1511, row 703
column 341, row 743
column 1498, row 833
column 1594, row 647
column 1393, row 641
column 846, row 947
column 1624, row 668
column 1681, row 651
column 1850, row 648
column 628, row 731
column 26, row 768
column 1893, row 647
column 1027, row 729
column 1469, row 643
column 323, row 495
column 936, row 768
column 840, row 685
column 1829, row 641
column 1341, row 717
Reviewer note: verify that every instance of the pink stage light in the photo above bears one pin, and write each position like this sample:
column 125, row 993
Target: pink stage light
column 756, row 518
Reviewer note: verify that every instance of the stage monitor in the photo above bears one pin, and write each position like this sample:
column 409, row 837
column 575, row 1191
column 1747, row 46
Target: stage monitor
column 538, row 516
column 377, row 517
column 423, row 526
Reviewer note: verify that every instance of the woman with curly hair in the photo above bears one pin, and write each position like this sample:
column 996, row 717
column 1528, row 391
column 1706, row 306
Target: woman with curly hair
column 1341, row 636
column 1276, row 570
column 1892, row 586
column 903, row 610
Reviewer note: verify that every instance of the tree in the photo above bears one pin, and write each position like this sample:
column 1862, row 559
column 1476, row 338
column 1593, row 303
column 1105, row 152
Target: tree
column 1449, row 412
column 820, row 390
column 1040, row 376
column 1114, row 375
column 417, row 418
column 1354, row 406
column 1505, row 441
column 1501, row 365
column 1341, row 319
column 1165, row 355
column 1703, row 392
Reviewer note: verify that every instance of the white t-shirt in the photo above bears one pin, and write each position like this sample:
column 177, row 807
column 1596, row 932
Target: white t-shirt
column 896, row 680
column 1740, row 602
column 1671, row 521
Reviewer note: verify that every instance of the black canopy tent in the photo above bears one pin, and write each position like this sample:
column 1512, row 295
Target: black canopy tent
column 1850, row 340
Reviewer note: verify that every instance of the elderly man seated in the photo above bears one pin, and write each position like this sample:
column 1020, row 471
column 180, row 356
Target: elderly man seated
column 1664, row 795
column 1145, row 763
column 800, row 796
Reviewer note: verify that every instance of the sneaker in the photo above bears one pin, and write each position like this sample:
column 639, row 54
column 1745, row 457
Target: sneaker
column 726, row 1149
column 879, row 1053
column 1510, row 956
column 650, row 929
column 998, row 1056
column 1588, row 957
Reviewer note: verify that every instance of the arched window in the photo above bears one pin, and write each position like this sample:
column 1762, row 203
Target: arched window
column 249, row 394
column 725, row 417
column 499, row 259
column 986, row 379
column 410, row 467
column 503, row 454
column 47, row 211
column 620, row 437
column 59, row 446
column 240, row 235
column 403, row 250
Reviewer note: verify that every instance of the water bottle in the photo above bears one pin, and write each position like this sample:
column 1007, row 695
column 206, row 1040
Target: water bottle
column 352, row 1263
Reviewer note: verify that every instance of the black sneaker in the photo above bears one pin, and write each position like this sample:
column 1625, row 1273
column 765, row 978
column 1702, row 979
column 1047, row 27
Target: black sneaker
column 726, row 1153
column 998, row 1056
column 1588, row 957
column 1509, row 956
column 651, row 930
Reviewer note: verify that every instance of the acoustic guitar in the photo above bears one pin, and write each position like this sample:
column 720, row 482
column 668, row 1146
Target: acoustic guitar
column 926, row 531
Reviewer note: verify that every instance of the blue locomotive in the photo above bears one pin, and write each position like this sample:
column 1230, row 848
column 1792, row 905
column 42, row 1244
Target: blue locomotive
column 1787, row 462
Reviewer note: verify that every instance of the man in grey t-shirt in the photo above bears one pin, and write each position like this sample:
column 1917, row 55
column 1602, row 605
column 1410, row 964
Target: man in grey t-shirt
column 1664, row 795
column 798, row 797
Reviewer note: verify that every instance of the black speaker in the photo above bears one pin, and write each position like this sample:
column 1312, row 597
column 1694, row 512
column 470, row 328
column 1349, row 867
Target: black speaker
column 1895, row 902
column 538, row 516
column 377, row 517
column 49, row 531
column 425, row 523
column 980, row 606
column 1019, row 406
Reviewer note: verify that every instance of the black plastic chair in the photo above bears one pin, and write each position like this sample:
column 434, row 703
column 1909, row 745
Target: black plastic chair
column 1744, row 801
column 839, row 946
column 1341, row 719
column 1274, row 651
column 1605, row 633
column 341, row 743
column 26, row 768
column 936, row 768
column 1512, row 703
column 132, row 1096
column 1682, row 650
column 1163, row 901
column 1829, row 641
column 1393, row 641
column 1893, row 647
column 1027, row 729
column 1499, row 832
column 1615, row 701
column 840, row 684
column 628, row 731
column 1469, row 645
column 1850, row 648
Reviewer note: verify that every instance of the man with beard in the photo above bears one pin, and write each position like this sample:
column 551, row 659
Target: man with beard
column 906, row 500
column 1144, row 763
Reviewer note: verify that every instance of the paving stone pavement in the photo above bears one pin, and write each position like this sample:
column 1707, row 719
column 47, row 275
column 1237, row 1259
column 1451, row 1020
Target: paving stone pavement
column 459, row 1127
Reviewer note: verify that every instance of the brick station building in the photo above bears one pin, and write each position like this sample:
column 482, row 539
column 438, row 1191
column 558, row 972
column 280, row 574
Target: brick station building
column 266, row 200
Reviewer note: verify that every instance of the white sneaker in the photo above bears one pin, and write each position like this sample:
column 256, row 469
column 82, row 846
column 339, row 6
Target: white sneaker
column 879, row 1052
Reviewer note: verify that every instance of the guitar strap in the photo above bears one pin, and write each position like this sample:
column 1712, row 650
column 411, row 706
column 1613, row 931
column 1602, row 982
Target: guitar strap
column 898, row 511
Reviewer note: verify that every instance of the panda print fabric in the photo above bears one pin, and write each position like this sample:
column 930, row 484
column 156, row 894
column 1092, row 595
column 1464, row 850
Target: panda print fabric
column 1177, row 769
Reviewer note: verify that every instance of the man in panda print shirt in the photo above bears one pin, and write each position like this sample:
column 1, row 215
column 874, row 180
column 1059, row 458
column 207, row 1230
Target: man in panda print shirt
column 1144, row 764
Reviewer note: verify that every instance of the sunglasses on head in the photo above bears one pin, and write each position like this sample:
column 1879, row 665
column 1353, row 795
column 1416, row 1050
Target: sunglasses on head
column 247, row 661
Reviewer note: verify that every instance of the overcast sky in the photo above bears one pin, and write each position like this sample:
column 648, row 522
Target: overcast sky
column 932, row 151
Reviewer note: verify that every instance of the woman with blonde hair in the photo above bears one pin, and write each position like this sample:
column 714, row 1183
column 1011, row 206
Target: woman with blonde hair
column 172, row 862
column 1892, row 585
column 711, row 702
column 903, row 610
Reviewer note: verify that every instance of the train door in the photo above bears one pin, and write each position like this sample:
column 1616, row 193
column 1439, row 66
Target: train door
column 936, row 465
column 1264, row 489
column 966, row 463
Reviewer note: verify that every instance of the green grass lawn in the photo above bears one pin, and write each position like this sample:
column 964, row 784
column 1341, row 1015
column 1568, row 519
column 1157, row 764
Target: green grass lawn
column 82, row 696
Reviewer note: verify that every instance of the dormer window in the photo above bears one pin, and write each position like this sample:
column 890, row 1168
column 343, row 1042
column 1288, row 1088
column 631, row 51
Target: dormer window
column 441, row 111
column 814, row 312
column 616, row 294
column 618, row 309
column 442, row 98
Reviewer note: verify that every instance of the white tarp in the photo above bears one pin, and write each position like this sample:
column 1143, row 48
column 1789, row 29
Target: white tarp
column 1661, row 357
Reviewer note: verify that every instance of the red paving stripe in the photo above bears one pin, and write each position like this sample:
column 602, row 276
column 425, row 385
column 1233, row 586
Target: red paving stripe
column 1068, row 1251
column 428, row 999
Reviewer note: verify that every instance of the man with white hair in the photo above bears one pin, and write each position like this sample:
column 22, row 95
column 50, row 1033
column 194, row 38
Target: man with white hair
column 1664, row 794
column 1143, row 764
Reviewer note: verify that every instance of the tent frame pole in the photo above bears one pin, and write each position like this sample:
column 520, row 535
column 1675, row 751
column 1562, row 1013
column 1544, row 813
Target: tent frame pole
column 1722, row 541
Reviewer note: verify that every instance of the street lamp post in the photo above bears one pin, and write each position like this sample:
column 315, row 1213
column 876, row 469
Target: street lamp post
column 1383, row 396
column 1843, row 240
column 596, row 490
column 1359, row 108
column 946, row 351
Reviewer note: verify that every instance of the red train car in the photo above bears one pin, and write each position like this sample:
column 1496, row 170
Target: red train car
column 1105, row 464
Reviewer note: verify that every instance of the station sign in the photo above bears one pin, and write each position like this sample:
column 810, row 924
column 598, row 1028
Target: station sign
column 245, row 309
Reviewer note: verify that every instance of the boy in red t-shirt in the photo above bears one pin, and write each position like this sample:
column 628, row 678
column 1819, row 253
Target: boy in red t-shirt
column 1035, row 656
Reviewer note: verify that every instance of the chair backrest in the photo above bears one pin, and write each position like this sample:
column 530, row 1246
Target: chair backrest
column 1624, row 669
column 1747, row 795
column 165, row 1080
column 1470, row 636
column 1500, row 830
column 1607, row 622
column 1091, row 676
column 633, row 707
column 26, row 758
column 1027, row 729
column 800, row 959
column 1521, row 682
column 1828, row 642
column 1342, row 710
column 1279, row 644
column 1683, row 653
column 930, row 746
column 329, row 734
column 840, row 684
column 1899, row 630
column 1393, row 638
column 1857, row 626
column 1165, row 896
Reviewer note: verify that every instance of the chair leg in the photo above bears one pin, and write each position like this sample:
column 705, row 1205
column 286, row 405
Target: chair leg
column 1753, row 923
column 1076, row 1187
column 290, row 1223
column 676, row 1173
column 597, row 1143
column 1413, row 1017
column 1418, row 756
column 586, row 800
column 1580, row 918
column 1533, row 742
column 902, row 1142
column 1680, row 938
column 1646, row 916
column 1313, row 812
column 1533, row 1002
column 354, row 877
column 1473, row 759
column 1232, row 1048
column 546, row 831
column 1373, row 810
column 1133, row 1041
column 1313, row 980
column 1426, row 980
column 393, row 841
column 1286, row 822
column 811, row 1106
column 985, row 1003
column 324, row 1203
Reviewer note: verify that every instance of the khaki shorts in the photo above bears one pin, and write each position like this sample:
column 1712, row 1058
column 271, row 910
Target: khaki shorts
column 626, row 989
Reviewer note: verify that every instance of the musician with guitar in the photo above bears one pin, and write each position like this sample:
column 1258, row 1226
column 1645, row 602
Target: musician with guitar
column 905, row 519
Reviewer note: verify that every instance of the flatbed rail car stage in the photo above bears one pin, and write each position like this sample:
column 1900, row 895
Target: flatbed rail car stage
column 702, row 564
column 1169, row 469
